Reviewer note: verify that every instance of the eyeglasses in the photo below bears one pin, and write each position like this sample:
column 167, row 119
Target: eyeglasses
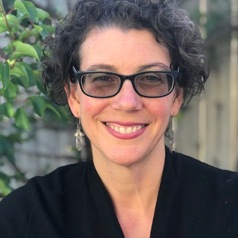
column 149, row 84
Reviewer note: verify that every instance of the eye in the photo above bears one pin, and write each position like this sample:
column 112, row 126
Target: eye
column 100, row 78
column 152, row 78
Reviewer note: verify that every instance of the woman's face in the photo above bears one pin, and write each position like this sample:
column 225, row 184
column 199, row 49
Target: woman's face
column 126, row 128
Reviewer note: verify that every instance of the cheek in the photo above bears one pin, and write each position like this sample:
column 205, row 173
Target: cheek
column 162, row 107
column 89, row 107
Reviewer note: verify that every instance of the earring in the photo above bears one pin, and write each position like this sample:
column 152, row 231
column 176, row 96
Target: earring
column 80, row 141
column 170, row 135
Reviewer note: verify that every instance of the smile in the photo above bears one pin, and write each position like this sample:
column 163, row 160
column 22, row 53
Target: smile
column 125, row 130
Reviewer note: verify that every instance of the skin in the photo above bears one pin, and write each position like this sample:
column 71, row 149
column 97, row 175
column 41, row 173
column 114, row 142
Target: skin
column 127, row 130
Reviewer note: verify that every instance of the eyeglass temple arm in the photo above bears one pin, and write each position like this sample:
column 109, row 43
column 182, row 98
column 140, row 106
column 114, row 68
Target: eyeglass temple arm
column 73, row 78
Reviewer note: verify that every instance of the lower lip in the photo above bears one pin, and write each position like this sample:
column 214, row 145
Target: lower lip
column 126, row 136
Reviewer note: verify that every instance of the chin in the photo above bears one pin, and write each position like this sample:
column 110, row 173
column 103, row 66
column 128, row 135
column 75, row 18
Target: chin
column 125, row 160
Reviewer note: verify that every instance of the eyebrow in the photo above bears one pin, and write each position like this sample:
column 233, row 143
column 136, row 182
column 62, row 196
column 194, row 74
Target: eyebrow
column 108, row 67
column 157, row 64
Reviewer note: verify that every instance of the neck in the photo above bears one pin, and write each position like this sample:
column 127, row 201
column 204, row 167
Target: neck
column 136, row 185
column 134, row 190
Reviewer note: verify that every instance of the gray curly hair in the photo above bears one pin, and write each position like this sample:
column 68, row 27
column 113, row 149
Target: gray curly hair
column 170, row 25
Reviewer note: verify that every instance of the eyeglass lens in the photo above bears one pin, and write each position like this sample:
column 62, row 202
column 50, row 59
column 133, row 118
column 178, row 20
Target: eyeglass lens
column 148, row 84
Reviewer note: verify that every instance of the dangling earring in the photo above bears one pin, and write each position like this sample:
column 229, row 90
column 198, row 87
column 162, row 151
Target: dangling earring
column 80, row 141
column 170, row 134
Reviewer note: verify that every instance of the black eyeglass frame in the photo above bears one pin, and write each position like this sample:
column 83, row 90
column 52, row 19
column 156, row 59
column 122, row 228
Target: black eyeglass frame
column 79, row 75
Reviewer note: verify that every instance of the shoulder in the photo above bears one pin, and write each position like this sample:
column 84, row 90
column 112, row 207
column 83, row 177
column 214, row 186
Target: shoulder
column 198, row 169
column 203, row 180
column 41, row 199
column 63, row 178
column 56, row 181
column 205, row 196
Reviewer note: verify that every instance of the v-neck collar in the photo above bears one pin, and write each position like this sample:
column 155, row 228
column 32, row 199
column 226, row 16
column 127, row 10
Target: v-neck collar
column 165, row 195
column 89, row 209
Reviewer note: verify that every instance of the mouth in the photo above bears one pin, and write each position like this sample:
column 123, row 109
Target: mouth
column 125, row 130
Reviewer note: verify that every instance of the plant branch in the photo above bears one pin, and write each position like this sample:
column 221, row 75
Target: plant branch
column 2, row 10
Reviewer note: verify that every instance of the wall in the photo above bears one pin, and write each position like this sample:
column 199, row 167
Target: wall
column 208, row 128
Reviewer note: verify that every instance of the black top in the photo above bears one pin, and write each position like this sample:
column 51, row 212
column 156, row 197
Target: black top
column 195, row 201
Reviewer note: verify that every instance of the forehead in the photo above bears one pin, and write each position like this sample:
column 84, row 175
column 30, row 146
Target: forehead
column 123, row 50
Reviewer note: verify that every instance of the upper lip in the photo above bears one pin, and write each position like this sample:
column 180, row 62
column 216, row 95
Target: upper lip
column 124, row 124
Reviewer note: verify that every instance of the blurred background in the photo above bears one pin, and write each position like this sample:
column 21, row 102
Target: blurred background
column 37, row 136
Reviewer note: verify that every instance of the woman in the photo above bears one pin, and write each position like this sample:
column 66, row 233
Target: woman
column 125, row 68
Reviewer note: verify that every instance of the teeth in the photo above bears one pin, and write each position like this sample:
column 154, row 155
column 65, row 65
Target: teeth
column 125, row 130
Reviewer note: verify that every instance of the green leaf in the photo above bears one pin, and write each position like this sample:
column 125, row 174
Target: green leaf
column 24, row 35
column 3, row 26
column 39, row 105
column 23, row 72
column 21, row 119
column 42, row 14
column 27, row 8
column 7, row 109
column 4, row 75
column 39, row 50
column 12, row 23
column 36, row 30
column 11, row 91
column 4, row 189
column 23, row 49
column 53, row 109
column 46, row 31
column 12, row 20
column 37, row 81
column 6, row 147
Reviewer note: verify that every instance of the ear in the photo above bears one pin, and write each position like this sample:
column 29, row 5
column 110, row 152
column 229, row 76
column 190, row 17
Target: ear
column 72, row 92
column 177, row 101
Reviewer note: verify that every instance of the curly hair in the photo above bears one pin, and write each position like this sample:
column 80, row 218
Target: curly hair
column 170, row 25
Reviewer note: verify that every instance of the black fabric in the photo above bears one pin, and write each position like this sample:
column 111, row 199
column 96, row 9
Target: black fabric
column 195, row 201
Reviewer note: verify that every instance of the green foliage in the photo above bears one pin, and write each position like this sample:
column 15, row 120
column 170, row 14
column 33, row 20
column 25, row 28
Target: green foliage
column 218, row 27
column 24, row 30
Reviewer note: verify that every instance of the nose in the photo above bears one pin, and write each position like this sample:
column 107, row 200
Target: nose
column 127, row 99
